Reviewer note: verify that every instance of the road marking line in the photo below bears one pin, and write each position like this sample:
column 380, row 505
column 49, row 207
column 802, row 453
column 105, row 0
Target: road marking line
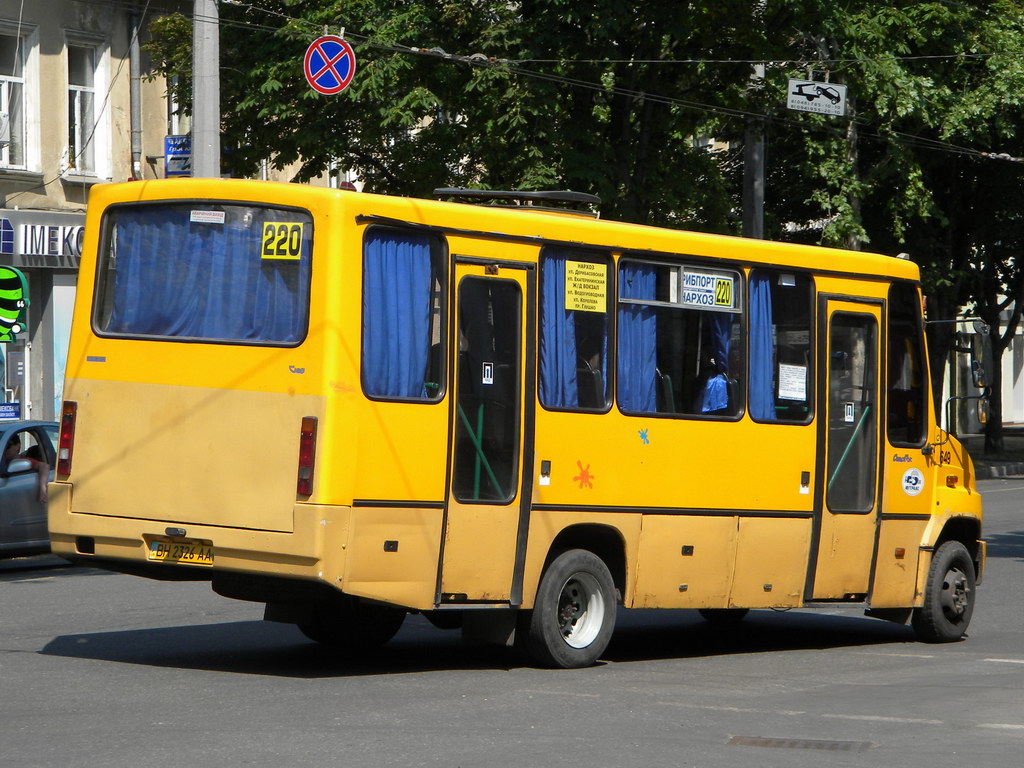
column 745, row 710
column 884, row 719
column 564, row 693
column 1002, row 726
column 898, row 655
column 1005, row 661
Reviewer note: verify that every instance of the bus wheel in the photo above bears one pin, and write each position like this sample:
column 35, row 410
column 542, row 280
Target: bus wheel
column 723, row 615
column 350, row 625
column 574, row 614
column 948, row 596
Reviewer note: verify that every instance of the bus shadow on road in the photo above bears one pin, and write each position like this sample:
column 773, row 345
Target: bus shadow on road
column 263, row 648
column 651, row 635
column 1010, row 544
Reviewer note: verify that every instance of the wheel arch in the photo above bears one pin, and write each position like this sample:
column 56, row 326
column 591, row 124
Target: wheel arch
column 605, row 541
column 966, row 530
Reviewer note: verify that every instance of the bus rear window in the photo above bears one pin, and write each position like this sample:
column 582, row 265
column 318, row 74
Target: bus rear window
column 205, row 271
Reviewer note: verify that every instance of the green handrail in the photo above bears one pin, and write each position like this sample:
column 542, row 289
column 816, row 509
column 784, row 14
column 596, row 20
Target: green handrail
column 481, row 457
column 849, row 445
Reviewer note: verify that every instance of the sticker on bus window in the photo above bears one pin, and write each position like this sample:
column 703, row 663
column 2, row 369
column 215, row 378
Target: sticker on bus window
column 704, row 289
column 281, row 240
column 586, row 286
column 206, row 217
column 792, row 382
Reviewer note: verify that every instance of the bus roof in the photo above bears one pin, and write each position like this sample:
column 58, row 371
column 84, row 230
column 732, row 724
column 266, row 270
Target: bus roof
column 518, row 223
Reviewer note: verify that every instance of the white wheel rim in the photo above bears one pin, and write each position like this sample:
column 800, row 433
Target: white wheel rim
column 580, row 611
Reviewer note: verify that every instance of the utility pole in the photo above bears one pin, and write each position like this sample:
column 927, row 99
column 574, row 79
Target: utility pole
column 753, row 167
column 205, row 89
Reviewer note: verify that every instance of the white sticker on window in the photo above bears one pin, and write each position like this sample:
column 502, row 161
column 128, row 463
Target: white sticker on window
column 487, row 376
column 206, row 217
column 792, row 382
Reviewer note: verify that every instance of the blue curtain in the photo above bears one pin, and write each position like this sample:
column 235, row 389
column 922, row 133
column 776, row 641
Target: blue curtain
column 716, row 388
column 396, row 313
column 558, row 388
column 173, row 277
column 762, row 363
column 638, row 336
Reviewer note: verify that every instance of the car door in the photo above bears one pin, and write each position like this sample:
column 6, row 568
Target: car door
column 22, row 515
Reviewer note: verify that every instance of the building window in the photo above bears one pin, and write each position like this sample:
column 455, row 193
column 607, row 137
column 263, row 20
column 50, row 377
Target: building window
column 82, row 108
column 12, row 102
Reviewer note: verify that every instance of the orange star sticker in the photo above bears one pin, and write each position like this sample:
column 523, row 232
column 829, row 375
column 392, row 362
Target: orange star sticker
column 584, row 478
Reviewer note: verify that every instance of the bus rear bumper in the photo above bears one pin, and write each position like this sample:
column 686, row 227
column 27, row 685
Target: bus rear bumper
column 126, row 544
column 381, row 554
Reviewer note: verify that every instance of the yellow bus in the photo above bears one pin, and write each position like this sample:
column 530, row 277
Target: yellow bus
column 510, row 419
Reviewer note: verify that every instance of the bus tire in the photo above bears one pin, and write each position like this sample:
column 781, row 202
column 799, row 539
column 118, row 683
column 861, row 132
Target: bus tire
column 948, row 596
column 347, row 624
column 574, row 613
column 723, row 615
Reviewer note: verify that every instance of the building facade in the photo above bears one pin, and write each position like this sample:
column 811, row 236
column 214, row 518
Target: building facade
column 75, row 110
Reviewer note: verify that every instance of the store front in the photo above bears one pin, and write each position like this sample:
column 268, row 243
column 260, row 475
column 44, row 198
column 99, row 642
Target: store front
column 45, row 246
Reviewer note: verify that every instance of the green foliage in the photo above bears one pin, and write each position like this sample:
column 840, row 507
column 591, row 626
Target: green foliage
column 605, row 97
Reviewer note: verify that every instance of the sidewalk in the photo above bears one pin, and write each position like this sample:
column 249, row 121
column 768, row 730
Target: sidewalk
column 1009, row 463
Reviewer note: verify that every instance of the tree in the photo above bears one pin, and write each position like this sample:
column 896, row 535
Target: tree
column 536, row 94
column 609, row 97
column 933, row 86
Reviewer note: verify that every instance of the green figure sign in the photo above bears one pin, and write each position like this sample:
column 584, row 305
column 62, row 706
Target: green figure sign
column 13, row 302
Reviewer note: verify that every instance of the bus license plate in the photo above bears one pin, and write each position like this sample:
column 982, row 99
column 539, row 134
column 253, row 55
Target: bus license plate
column 184, row 551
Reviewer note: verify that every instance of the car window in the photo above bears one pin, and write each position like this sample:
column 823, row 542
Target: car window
column 30, row 447
column 51, row 433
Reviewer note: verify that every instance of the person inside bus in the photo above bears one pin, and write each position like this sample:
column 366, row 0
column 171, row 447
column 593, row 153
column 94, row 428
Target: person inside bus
column 13, row 451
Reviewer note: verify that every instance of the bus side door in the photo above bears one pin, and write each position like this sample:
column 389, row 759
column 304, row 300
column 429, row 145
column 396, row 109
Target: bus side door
column 847, row 491
column 487, row 507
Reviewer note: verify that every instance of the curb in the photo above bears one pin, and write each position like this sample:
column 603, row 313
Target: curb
column 1001, row 469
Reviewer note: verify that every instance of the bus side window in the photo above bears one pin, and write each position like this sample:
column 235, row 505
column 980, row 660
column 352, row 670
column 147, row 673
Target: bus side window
column 403, row 355
column 674, row 355
column 574, row 308
column 907, row 403
column 780, row 380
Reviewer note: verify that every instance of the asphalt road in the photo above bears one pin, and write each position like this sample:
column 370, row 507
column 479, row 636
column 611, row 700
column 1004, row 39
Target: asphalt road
column 100, row 669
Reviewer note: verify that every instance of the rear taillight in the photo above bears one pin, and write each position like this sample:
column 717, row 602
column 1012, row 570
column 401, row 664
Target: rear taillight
column 66, row 444
column 307, row 455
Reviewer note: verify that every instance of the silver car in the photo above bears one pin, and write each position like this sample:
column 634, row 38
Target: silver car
column 22, row 515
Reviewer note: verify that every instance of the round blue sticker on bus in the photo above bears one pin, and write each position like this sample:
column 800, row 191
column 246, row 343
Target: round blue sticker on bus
column 913, row 482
